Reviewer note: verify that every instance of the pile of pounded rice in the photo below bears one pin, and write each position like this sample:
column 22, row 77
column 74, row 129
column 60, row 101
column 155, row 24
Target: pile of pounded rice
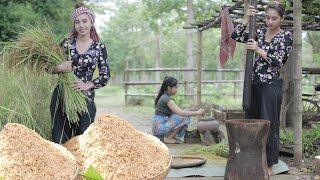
column 118, row 151
column 26, row 155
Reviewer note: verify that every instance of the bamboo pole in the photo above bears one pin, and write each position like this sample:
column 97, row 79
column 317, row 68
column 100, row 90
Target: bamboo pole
column 297, row 103
column 246, row 100
column 199, row 67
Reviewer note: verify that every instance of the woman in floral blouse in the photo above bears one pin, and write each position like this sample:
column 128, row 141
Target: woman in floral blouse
column 272, row 46
column 86, row 54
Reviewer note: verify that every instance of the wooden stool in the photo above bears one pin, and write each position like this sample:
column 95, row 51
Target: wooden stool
column 247, row 149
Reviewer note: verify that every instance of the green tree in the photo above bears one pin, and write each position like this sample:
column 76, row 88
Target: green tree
column 132, row 30
column 17, row 13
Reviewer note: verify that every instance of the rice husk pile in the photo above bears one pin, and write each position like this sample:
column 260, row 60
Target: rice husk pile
column 118, row 151
column 26, row 155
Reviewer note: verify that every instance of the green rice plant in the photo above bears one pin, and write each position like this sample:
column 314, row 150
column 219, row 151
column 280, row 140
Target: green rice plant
column 24, row 99
column 36, row 48
column 220, row 149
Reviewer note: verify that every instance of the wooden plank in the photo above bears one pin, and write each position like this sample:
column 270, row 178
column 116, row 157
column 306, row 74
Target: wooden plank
column 184, row 82
column 308, row 70
column 154, row 95
column 137, row 94
column 181, row 69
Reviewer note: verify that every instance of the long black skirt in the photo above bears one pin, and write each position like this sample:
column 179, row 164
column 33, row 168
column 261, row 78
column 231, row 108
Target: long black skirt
column 266, row 102
column 62, row 128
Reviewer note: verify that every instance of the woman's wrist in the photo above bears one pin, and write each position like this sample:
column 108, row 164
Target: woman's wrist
column 57, row 68
column 52, row 70
column 91, row 85
column 261, row 52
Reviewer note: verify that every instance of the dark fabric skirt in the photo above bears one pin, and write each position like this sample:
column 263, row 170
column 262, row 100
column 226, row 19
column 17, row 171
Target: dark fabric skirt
column 62, row 129
column 266, row 102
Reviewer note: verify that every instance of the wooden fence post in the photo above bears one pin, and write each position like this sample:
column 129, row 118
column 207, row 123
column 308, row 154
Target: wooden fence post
column 199, row 67
column 126, row 80
column 185, row 88
column 234, row 90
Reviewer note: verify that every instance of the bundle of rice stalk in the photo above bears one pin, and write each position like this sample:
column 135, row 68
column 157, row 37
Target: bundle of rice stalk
column 37, row 48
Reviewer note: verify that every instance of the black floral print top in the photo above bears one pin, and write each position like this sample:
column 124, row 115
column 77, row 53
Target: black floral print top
column 84, row 65
column 267, row 71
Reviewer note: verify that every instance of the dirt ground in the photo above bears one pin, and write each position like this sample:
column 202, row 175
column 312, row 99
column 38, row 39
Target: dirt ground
column 140, row 122
column 114, row 104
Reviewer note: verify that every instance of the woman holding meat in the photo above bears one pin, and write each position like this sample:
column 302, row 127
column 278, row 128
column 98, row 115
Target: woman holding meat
column 272, row 46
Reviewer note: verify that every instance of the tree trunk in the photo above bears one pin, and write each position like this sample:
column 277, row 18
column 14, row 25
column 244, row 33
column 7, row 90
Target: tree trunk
column 317, row 165
column 190, row 62
column 297, row 103
column 247, row 149
column 286, row 113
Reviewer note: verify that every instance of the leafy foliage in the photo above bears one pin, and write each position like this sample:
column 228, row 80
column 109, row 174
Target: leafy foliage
column 17, row 13
column 311, row 7
column 310, row 140
column 131, row 33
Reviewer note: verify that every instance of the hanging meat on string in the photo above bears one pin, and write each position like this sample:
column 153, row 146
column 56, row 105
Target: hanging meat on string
column 227, row 44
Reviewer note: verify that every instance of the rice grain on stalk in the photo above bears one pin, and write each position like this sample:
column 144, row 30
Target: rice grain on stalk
column 36, row 47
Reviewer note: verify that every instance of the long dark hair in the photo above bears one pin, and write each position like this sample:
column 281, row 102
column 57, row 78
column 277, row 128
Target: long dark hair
column 167, row 82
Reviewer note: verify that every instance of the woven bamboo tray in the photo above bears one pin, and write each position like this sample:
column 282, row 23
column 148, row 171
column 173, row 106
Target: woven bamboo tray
column 76, row 175
column 187, row 161
column 164, row 173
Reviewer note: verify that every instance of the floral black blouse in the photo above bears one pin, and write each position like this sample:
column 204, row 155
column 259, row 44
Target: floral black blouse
column 84, row 65
column 267, row 71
